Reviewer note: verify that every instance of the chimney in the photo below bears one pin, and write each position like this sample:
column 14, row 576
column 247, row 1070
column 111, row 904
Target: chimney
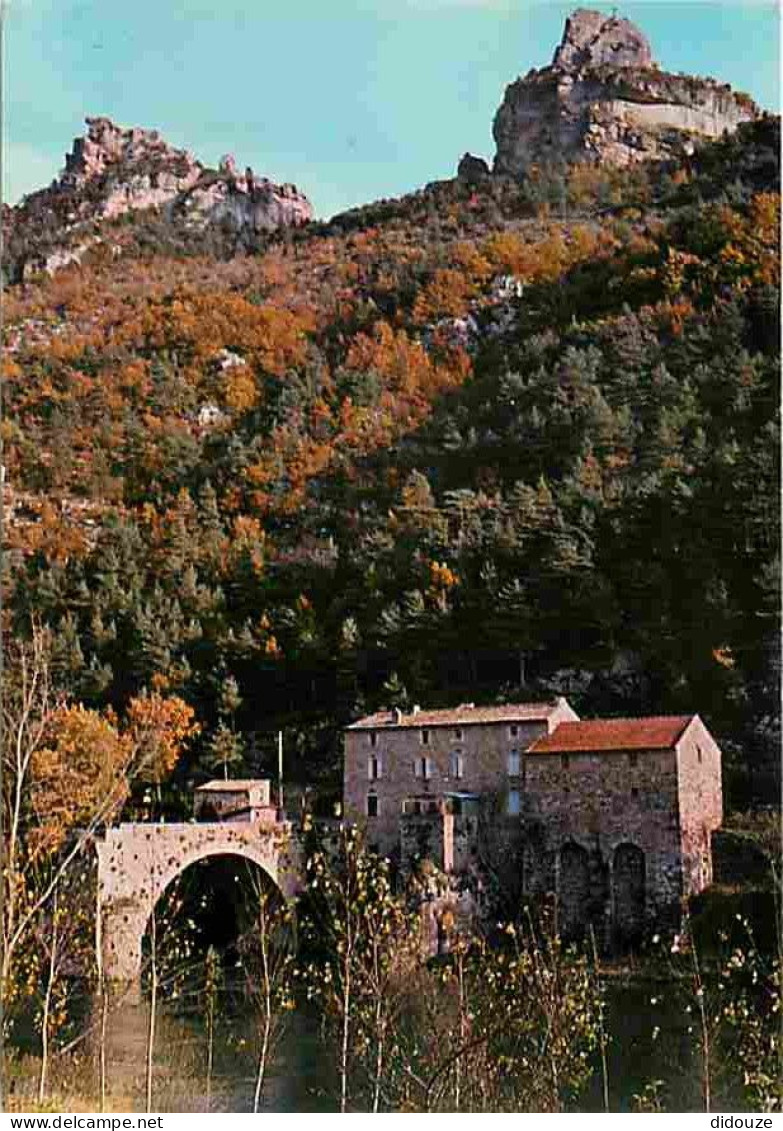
column 416, row 708
column 397, row 716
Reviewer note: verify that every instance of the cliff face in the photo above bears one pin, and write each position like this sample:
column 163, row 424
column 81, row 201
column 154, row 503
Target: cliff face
column 111, row 171
column 603, row 99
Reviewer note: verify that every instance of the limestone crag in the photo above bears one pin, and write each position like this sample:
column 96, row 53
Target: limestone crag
column 603, row 99
column 112, row 171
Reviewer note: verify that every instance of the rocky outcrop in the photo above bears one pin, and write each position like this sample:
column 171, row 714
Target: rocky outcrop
column 590, row 39
column 472, row 169
column 603, row 99
column 112, row 171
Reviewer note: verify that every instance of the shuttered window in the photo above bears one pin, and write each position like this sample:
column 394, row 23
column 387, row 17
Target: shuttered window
column 422, row 768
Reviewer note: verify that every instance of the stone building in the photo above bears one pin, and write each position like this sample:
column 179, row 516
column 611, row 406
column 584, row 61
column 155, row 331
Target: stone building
column 618, row 817
column 392, row 758
column 613, row 817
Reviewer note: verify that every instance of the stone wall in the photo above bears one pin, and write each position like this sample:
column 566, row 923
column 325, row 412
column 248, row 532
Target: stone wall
column 700, row 803
column 583, row 815
column 426, row 836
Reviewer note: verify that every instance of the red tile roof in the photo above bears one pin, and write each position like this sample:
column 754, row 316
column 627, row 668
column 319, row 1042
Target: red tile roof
column 598, row 735
column 464, row 715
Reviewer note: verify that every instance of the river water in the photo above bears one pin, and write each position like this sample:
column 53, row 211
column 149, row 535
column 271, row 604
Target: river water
column 300, row 1076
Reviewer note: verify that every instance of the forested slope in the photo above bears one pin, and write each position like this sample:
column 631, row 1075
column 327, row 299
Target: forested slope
column 487, row 440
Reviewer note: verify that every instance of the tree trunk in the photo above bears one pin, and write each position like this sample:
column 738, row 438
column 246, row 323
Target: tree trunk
column 153, row 1009
column 102, row 1048
column 267, row 1006
column 210, row 1047
column 47, row 1005
column 345, row 1036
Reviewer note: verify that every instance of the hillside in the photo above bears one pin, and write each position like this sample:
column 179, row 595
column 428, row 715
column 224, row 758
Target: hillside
column 493, row 438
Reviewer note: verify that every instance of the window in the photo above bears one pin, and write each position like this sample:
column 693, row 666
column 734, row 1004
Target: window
column 458, row 734
column 374, row 769
column 513, row 803
column 422, row 768
column 456, row 764
column 633, row 761
column 698, row 754
column 565, row 761
column 513, row 763
column 425, row 738
column 373, row 738
column 634, row 792
column 513, row 730
column 372, row 805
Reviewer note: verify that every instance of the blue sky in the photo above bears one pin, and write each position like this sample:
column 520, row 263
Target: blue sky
column 352, row 100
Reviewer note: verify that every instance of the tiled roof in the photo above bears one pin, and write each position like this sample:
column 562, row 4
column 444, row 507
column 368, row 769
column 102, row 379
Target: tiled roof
column 597, row 735
column 240, row 785
column 464, row 715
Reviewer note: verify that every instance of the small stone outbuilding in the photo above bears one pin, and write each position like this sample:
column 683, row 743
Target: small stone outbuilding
column 238, row 800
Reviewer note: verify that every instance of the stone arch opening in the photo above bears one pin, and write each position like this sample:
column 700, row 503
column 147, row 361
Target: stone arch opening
column 573, row 890
column 628, row 892
column 211, row 903
column 137, row 863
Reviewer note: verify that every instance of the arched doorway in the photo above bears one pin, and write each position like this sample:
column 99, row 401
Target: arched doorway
column 628, row 892
column 573, row 890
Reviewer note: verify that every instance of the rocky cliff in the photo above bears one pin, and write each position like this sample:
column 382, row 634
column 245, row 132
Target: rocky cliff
column 603, row 99
column 112, row 171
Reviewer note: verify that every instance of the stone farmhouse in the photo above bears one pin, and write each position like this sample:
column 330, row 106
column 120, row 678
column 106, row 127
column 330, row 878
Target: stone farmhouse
column 613, row 816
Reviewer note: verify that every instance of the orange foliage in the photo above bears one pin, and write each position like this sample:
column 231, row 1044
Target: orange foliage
column 157, row 727
column 446, row 295
column 82, row 771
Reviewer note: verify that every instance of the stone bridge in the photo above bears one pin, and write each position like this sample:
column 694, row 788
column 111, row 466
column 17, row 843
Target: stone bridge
column 138, row 862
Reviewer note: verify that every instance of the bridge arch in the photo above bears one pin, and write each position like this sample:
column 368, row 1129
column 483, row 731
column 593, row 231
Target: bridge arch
column 137, row 864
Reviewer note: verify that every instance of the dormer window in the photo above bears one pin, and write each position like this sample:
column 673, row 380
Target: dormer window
column 425, row 737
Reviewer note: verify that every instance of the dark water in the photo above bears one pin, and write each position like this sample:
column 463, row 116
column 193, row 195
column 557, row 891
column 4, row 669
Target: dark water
column 649, row 1041
column 299, row 1078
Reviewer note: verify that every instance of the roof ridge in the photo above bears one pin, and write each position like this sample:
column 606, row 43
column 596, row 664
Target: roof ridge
column 625, row 719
